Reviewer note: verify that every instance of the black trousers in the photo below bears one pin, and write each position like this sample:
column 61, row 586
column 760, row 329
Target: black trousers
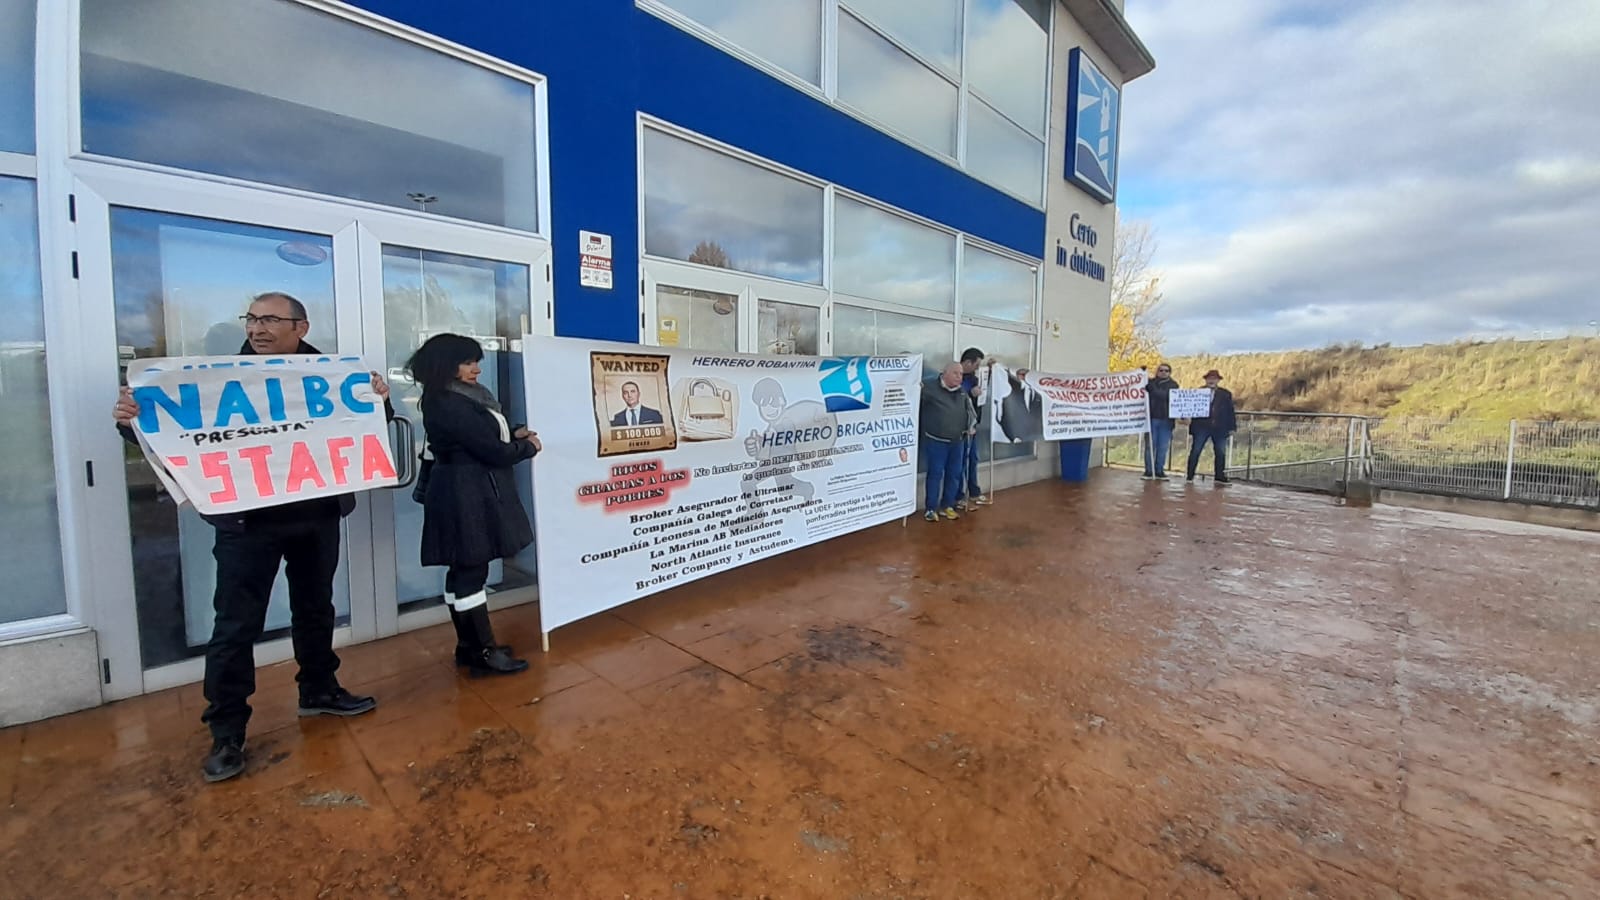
column 247, row 566
column 464, row 581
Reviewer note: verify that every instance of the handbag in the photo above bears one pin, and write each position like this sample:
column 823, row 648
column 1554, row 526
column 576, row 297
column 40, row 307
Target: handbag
column 419, row 488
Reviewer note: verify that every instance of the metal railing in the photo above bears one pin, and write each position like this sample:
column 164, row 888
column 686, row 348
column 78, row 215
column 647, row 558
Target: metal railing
column 1546, row 463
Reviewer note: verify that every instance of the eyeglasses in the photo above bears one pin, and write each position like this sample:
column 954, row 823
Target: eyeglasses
column 269, row 321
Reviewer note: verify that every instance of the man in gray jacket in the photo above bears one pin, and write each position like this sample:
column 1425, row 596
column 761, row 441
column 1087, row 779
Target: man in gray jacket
column 947, row 417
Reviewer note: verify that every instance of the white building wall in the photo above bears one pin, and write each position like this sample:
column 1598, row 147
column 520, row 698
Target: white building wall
column 1076, row 309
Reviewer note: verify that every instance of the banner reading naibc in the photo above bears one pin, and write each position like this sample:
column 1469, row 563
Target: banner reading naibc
column 662, row 466
column 235, row 433
column 1091, row 406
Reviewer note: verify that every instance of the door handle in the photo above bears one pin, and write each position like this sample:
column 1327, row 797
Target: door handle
column 405, row 436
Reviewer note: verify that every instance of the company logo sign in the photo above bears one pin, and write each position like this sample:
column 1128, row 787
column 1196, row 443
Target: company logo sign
column 845, row 385
column 1092, row 127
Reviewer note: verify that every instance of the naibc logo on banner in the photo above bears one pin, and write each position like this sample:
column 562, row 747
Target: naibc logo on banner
column 229, row 434
column 845, row 385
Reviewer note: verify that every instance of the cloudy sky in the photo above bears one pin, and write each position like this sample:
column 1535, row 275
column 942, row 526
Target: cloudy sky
column 1338, row 170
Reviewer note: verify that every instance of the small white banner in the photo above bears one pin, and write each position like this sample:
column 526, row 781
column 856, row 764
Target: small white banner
column 234, row 433
column 1189, row 403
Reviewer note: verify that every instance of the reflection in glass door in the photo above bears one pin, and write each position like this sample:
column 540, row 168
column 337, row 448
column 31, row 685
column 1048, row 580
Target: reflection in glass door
column 703, row 320
column 180, row 284
column 787, row 329
column 427, row 293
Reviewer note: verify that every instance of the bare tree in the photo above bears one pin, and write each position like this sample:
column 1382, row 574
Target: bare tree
column 1135, row 337
column 710, row 253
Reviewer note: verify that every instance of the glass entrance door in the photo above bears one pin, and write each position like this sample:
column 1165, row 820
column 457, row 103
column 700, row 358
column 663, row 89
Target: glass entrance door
column 436, row 280
column 176, row 267
column 180, row 285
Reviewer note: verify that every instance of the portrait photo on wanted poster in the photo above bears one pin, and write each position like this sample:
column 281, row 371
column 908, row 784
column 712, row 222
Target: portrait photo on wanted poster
column 633, row 409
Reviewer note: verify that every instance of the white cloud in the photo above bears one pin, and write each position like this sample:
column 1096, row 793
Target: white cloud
column 1368, row 171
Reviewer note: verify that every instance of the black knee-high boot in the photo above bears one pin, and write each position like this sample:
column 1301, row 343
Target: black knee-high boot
column 483, row 656
column 466, row 637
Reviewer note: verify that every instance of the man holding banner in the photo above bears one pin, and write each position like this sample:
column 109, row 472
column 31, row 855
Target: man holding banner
column 256, row 535
column 1159, row 447
column 1215, row 427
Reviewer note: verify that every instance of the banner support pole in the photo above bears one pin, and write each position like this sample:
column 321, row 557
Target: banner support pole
column 989, row 402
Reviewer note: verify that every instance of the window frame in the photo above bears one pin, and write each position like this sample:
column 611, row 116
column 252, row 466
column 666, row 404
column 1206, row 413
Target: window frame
column 371, row 22
column 863, row 115
column 646, row 123
column 828, row 91
column 749, row 288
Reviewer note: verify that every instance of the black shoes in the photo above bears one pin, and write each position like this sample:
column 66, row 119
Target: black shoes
column 1223, row 479
column 492, row 661
column 225, row 760
column 335, row 702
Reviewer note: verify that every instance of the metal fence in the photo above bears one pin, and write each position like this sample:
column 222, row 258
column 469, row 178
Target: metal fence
column 1547, row 463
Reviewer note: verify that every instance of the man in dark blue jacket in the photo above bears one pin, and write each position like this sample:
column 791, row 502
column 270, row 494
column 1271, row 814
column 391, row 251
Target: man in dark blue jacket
column 250, row 548
column 1214, row 428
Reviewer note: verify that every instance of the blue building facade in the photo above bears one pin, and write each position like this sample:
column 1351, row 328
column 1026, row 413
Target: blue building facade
column 766, row 176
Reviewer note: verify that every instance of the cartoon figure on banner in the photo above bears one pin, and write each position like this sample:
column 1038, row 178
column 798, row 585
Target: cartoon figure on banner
column 780, row 416
column 631, row 408
column 1015, row 410
column 708, row 408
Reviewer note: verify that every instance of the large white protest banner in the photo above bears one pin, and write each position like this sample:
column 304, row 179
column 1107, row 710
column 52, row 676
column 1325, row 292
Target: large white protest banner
column 1091, row 406
column 1189, row 403
column 229, row 434
column 664, row 465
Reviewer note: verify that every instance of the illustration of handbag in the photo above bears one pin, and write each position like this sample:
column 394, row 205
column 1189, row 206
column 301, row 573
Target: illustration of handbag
column 708, row 412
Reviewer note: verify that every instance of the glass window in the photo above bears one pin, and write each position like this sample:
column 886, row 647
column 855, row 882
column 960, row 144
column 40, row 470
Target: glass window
column 1008, row 48
column 1014, row 349
column 886, row 84
column 179, row 285
column 426, row 293
column 931, row 28
column 996, row 287
column 16, row 75
column 276, row 92
column 705, row 207
column 30, row 536
column 1003, row 154
column 786, row 33
column 703, row 320
column 785, row 329
column 883, row 256
column 864, row 332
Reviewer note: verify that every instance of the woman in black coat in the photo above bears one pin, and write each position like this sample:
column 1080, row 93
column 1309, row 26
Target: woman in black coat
column 471, row 514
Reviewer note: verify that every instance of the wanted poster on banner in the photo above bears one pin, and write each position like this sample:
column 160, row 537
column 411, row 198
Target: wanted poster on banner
column 1091, row 406
column 230, row 434
column 674, row 464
